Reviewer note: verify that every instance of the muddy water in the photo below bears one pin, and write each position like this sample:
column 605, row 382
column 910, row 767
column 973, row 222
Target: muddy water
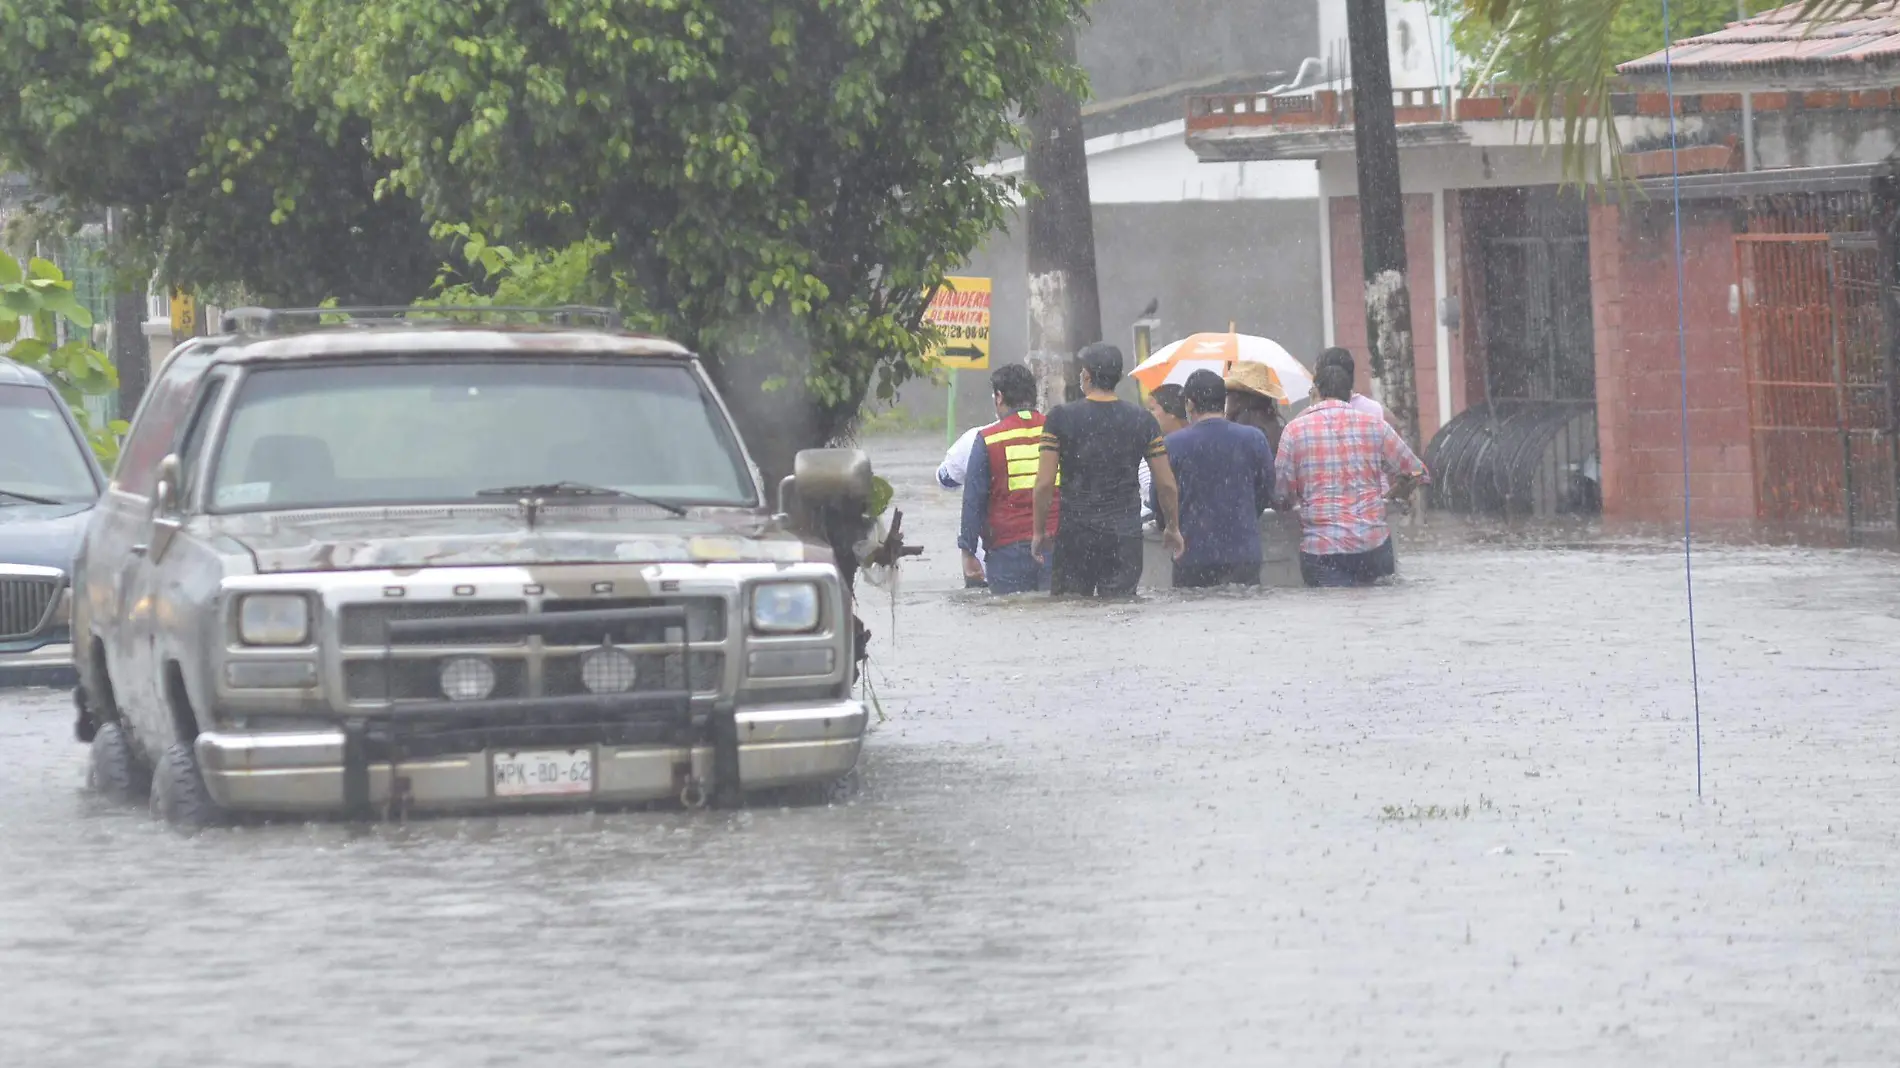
column 1450, row 822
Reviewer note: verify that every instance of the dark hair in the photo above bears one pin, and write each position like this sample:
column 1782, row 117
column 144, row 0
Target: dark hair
column 1334, row 382
column 1206, row 391
column 1101, row 365
column 1170, row 399
column 1336, row 357
column 1016, row 384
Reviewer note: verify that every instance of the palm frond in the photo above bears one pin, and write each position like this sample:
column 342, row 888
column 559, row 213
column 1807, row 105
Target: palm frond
column 1564, row 46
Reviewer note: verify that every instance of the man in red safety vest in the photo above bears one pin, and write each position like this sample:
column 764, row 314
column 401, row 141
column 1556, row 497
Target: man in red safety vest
column 999, row 491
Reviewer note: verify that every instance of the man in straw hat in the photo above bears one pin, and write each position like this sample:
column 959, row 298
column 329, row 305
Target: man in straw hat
column 1254, row 396
column 1335, row 464
column 1096, row 445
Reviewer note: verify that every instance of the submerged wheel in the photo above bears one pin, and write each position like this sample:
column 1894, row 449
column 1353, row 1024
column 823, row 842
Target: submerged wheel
column 113, row 768
column 179, row 796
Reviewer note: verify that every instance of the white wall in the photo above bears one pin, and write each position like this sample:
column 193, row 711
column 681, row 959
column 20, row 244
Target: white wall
column 1155, row 166
column 1416, row 36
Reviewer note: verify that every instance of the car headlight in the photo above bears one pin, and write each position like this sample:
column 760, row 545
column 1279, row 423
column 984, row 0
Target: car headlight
column 274, row 619
column 785, row 607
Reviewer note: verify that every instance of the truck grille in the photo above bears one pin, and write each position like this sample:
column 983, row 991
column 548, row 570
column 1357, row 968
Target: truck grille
column 377, row 669
column 25, row 604
column 652, row 671
column 364, row 624
column 421, row 680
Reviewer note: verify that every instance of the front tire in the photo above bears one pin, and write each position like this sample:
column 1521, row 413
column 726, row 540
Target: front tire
column 179, row 796
column 113, row 768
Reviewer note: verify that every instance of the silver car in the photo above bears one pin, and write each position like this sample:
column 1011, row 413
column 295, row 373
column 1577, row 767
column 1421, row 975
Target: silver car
column 407, row 565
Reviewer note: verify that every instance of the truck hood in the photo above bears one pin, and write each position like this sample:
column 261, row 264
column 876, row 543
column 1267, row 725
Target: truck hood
column 413, row 538
column 45, row 535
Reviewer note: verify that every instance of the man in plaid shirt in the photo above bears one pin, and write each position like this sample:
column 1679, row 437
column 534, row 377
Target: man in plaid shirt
column 1333, row 465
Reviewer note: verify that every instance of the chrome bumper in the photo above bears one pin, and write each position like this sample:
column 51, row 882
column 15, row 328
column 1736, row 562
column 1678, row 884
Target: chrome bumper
column 49, row 665
column 302, row 772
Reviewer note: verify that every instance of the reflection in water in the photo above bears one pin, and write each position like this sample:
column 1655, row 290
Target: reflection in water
column 1431, row 824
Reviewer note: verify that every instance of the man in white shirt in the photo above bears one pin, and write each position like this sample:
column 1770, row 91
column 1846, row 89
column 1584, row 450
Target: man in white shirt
column 956, row 462
column 1360, row 402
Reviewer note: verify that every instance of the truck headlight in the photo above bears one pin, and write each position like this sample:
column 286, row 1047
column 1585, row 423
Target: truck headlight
column 785, row 607
column 274, row 619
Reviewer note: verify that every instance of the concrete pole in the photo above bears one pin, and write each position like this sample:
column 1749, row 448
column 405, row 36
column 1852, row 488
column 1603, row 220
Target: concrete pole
column 1382, row 217
column 1065, row 311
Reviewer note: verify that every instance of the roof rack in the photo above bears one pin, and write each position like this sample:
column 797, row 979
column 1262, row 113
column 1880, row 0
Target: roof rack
column 290, row 320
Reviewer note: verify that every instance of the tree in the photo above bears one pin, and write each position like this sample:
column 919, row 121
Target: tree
column 1627, row 31
column 1065, row 302
column 780, row 185
column 175, row 112
column 34, row 300
column 1382, row 216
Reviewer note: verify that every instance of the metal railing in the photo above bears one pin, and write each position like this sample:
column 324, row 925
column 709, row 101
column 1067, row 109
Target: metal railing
column 1321, row 108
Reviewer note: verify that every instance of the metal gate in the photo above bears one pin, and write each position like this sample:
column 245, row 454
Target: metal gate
column 1540, row 334
column 1818, row 395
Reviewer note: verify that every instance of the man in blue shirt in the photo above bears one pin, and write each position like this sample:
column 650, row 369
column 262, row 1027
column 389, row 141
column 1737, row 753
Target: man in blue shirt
column 1225, row 471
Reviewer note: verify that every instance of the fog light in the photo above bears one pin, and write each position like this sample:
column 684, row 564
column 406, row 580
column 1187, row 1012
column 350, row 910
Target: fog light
column 467, row 678
column 607, row 671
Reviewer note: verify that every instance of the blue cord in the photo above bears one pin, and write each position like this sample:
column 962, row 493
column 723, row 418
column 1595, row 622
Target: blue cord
column 1682, row 361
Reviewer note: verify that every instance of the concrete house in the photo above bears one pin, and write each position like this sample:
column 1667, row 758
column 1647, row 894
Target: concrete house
column 1546, row 318
column 1237, row 241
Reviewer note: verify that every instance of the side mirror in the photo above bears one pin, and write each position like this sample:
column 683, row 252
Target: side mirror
column 822, row 479
column 166, row 521
column 165, row 490
column 827, row 478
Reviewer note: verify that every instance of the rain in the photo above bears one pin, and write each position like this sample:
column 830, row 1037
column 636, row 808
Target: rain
column 1602, row 774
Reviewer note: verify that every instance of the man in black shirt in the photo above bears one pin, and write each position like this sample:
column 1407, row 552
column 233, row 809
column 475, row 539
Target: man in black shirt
column 1096, row 445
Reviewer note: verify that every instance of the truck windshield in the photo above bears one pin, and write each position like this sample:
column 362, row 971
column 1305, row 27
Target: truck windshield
column 447, row 429
column 41, row 459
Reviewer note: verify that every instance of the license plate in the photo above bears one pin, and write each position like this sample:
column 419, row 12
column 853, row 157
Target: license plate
column 544, row 772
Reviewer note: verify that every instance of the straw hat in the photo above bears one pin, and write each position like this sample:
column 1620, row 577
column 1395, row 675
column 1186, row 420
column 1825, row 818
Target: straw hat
column 1249, row 376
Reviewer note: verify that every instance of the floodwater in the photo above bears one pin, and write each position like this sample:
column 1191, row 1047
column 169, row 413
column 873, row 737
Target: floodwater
column 1450, row 822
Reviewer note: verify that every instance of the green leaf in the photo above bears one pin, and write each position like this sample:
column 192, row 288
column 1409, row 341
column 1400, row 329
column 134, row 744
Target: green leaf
column 62, row 302
column 10, row 273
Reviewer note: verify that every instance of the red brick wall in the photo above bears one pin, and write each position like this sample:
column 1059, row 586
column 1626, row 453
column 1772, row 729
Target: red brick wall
column 1349, row 298
column 1639, row 395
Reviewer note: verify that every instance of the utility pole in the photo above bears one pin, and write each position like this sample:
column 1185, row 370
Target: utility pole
column 1065, row 309
column 1382, row 216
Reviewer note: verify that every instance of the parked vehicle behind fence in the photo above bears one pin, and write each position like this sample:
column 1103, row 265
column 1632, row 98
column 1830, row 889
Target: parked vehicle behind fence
column 406, row 564
column 49, row 481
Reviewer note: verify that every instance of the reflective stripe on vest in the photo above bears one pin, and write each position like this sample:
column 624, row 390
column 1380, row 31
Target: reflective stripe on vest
column 1024, row 463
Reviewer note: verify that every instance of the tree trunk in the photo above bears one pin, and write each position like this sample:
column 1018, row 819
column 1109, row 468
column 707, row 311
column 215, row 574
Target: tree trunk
column 1065, row 310
column 1382, row 217
column 131, row 353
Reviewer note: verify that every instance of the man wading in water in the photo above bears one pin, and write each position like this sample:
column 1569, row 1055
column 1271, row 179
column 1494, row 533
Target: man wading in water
column 1097, row 444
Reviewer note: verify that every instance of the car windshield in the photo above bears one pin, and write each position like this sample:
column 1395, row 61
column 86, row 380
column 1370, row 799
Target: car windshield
column 451, row 429
column 41, row 458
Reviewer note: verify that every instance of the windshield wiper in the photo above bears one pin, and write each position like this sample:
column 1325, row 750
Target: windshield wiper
column 27, row 497
column 576, row 489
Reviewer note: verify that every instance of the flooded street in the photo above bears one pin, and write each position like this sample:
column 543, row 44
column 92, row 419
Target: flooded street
column 1448, row 822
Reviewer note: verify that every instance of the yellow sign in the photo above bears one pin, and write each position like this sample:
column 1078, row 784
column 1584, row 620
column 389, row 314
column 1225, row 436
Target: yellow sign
column 961, row 313
column 184, row 316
